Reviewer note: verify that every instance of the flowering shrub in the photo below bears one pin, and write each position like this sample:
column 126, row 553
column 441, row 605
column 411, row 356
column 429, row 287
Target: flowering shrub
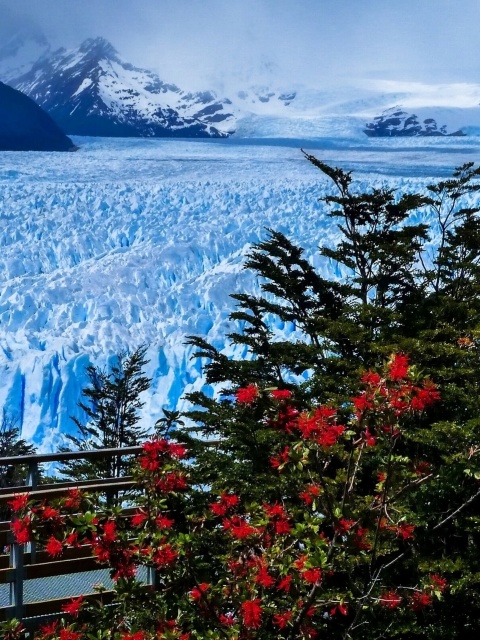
column 329, row 552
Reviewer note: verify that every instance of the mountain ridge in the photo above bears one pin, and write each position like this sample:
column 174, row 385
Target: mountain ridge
column 93, row 91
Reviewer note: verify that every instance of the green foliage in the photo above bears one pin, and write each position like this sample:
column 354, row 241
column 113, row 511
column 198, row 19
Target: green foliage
column 111, row 406
column 407, row 288
column 12, row 444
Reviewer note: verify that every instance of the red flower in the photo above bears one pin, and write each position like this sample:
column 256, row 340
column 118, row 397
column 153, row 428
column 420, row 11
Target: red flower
column 109, row 531
column 371, row 379
column 284, row 584
column 54, row 547
column 420, row 600
column 421, row 468
column 49, row 629
column 342, row 609
column 318, row 427
column 362, row 403
column 73, row 607
column 370, row 439
column 424, row 397
column 360, row 535
column 163, row 522
column 22, row 530
column 264, row 578
column 227, row 620
column 390, row 599
column 344, row 525
column 197, row 592
column 281, row 394
column 282, row 619
column 172, row 481
column 282, row 527
column 138, row 519
column 177, row 450
column 398, row 367
column 281, row 459
column 218, row 509
column 247, row 395
column 252, row 613
column 312, row 576
column 19, row 502
column 73, row 499
column 310, row 492
column 68, row 634
column 438, row 583
column 286, row 419
column 138, row 635
column 404, row 530
column 227, row 501
column 239, row 528
column 72, row 540
column 164, row 556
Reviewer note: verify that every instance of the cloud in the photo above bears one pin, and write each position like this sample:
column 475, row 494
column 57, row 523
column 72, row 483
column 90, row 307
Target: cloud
column 200, row 43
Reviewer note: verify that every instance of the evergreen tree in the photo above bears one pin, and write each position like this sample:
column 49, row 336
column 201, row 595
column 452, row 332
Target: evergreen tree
column 12, row 444
column 407, row 288
column 112, row 402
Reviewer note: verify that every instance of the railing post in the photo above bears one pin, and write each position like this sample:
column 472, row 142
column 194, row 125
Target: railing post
column 32, row 482
column 16, row 587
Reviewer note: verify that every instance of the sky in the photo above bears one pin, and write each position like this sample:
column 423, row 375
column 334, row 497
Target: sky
column 319, row 43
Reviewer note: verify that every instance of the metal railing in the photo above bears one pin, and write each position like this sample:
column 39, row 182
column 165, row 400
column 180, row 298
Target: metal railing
column 20, row 564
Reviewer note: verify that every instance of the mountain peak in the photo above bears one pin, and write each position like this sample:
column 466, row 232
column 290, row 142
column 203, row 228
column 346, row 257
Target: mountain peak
column 100, row 47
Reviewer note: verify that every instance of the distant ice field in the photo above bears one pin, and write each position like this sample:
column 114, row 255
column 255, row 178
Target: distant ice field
column 132, row 241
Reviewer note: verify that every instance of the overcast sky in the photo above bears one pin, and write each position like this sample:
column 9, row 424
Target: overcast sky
column 202, row 43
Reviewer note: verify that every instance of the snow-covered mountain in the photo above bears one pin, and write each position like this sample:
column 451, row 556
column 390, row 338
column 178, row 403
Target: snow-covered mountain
column 395, row 122
column 92, row 91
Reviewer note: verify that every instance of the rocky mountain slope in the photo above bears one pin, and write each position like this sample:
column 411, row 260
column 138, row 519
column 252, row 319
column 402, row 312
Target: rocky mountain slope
column 92, row 91
column 395, row 122
column 24, row 126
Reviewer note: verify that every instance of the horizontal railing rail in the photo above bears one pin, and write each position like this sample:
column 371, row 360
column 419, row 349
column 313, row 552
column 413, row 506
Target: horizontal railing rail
column 22, row 564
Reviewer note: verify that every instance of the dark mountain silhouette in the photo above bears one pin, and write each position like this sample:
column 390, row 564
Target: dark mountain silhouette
column 24, row 126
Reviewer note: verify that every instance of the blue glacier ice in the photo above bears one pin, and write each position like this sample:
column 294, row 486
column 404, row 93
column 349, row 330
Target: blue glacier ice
column 141, row 241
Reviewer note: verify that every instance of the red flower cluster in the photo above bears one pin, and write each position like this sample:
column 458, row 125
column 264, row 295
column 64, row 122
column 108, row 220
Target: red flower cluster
column 281, row 459
column 247, row 395
column 281, row 620
column 239, row 528
column 252, row 613
column 22, row 530
column 278, row 517
column 156, row 451
column 420, row 600
column 438, row 583
column 309, row 494
column 73, row 499
column 73, row 607
column 164, row 556
column 398, row 367
column 54, row 547
column 171, row 482
column 227, row 501
column 319, row 428
column 197, row 592
column 390, row 599
column 281, row 394
column 19, row 502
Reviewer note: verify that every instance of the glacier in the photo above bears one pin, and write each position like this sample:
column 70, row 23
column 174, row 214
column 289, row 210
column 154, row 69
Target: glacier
column 141, row 241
